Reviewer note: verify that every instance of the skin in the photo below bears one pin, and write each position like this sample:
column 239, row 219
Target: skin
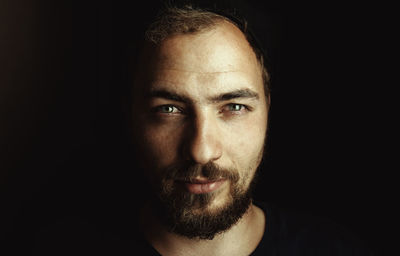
column 206, row 123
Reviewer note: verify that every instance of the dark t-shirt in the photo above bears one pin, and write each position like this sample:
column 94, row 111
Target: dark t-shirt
column 294, row 233
column 286, row 234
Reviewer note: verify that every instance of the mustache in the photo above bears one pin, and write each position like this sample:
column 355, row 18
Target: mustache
column 188, row 172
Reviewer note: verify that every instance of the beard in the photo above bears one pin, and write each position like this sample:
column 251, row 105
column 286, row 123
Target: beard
column 191, row 215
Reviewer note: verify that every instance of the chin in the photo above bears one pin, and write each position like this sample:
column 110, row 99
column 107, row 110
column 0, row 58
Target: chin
column 214, row 207
column 205, row 222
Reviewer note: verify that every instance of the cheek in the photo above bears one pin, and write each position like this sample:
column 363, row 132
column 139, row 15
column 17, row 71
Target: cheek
column 161, row 144
column 246, row 139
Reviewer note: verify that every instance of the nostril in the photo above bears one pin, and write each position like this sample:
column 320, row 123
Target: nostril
column 204, row 150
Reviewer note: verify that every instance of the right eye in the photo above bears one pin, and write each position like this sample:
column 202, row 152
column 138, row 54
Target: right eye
column 167, row 109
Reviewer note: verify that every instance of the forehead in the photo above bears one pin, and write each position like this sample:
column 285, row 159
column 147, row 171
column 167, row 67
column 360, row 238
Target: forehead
column 218, row 54
column 217, row 49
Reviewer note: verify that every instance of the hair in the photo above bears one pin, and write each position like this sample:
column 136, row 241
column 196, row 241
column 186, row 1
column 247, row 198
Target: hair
column 173, row 20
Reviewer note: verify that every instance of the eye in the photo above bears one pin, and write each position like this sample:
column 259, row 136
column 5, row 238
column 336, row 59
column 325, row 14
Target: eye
column 167, row 109
column 235, row 107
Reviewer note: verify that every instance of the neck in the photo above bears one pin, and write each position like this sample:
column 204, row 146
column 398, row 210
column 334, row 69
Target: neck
column 241, row 239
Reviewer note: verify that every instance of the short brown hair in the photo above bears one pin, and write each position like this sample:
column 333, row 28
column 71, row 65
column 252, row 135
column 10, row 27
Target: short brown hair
column 189, row 20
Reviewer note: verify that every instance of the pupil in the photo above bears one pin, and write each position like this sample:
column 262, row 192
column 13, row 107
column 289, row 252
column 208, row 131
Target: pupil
column 236, row 107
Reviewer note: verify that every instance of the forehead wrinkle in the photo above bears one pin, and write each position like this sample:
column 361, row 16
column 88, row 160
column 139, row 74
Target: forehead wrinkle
column 201, row 72
column 163, row 73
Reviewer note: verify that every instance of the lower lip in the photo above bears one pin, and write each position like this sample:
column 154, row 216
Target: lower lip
column 202, row 188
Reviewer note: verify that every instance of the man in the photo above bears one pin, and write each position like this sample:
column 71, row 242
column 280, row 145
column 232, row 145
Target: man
column 201, row 101
column 201, row 111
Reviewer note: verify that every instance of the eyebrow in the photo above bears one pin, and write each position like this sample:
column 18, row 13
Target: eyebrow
column 241, row 93
column 168, row 95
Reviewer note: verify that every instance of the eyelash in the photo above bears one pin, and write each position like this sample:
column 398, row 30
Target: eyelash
column 178, row 110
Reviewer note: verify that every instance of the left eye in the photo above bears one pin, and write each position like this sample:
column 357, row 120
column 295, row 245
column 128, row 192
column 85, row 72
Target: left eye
column 235, row 107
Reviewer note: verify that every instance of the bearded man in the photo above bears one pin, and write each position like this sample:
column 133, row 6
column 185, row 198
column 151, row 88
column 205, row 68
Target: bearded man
column 201, row 112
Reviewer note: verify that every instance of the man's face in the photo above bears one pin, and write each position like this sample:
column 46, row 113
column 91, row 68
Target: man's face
column 201, row 119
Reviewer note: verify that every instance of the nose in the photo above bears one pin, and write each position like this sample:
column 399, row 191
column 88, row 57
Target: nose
column 204, row 144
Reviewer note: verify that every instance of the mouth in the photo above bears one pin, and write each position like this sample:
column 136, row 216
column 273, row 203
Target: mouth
column 203, row 186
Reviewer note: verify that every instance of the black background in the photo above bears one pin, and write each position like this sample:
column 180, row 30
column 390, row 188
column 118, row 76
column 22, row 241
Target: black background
column 63, row 144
